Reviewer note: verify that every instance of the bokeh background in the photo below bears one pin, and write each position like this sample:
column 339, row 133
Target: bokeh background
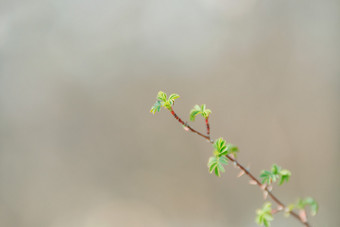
column 79, row 148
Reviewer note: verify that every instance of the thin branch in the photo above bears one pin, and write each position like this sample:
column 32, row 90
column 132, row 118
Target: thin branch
column 246, row 171
column 189, row 127
column 208, row 126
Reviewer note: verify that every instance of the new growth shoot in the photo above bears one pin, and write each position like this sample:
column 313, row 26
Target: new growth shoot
column 224, row 152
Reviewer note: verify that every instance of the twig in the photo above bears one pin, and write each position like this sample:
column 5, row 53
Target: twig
column 245, row 170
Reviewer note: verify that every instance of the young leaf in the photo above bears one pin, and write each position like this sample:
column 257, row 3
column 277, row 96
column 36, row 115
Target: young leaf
column 199, row 110
column 215, row 164
column 212, row 160
column 205, row 112
column 223, row 160
column 168, row 104
column 276, row 169
column 314, row 206
column 309, row 201
column 173, row 97
column 220, row 146
column 264, row 215
column 220, row 167
column 285, row 175
column 171, row 100
column 275, row 173
column 161, row 96
column 202, row 108
column 267, row 177
column 217, row 172
column 156, row 107
column 194, row 112
column 232, row 149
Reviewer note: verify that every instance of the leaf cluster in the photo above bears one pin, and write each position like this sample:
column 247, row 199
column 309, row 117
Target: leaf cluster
column 275, row 174
column 264, row 215
column 309, row 201
column 221, row 149
column 301, row 204
column 215, row 164
column 199, row 110
column 163, row 101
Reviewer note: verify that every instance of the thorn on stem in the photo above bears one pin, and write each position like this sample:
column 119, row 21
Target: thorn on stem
column 241, row 173
column 270, row 188
column 303, row 216
column 186, row 128
column 265, row 195
column 252, row 182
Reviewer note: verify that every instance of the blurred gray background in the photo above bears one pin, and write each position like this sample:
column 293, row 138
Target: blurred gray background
column 79, row 148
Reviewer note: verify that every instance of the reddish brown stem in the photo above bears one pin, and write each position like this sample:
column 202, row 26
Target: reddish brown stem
column 208, row 126
column 188, row 126
column 246, row 171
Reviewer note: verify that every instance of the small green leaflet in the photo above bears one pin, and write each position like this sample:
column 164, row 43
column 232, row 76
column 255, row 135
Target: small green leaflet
column 194, row 112
column 161, row 96
column 156, row 107
column 220, row 146
column 162, row 101
column 173, row 97
column 171, row 100
column 276, row 173
column 285, row 175
column 276, row 169
column 264, row 215
column 267, row 177
column 309, row 201
column 232, row 149
column 215, row 164
column 199, row 110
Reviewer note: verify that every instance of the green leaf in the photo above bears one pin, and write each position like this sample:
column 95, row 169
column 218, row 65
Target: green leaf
column 275, row 174
column 212, row 160
column 264, row 215
column 168, row 104
column 193, row 114
column 276, row 169
column 156, row 107
column 232, row 149
column 220, row 167
column 223, row 160
column 220, row 146
column 215, row 165
column 161, row 96
column 173, row 97
column 217, row 173
column 300, row 204
column 212, row 167
column 199, row 110
column 171, row 100
column 314, row 206
column 205, row 112
column 285, row 176
column 202, row 108
column 267, row 177
column 309, row 201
